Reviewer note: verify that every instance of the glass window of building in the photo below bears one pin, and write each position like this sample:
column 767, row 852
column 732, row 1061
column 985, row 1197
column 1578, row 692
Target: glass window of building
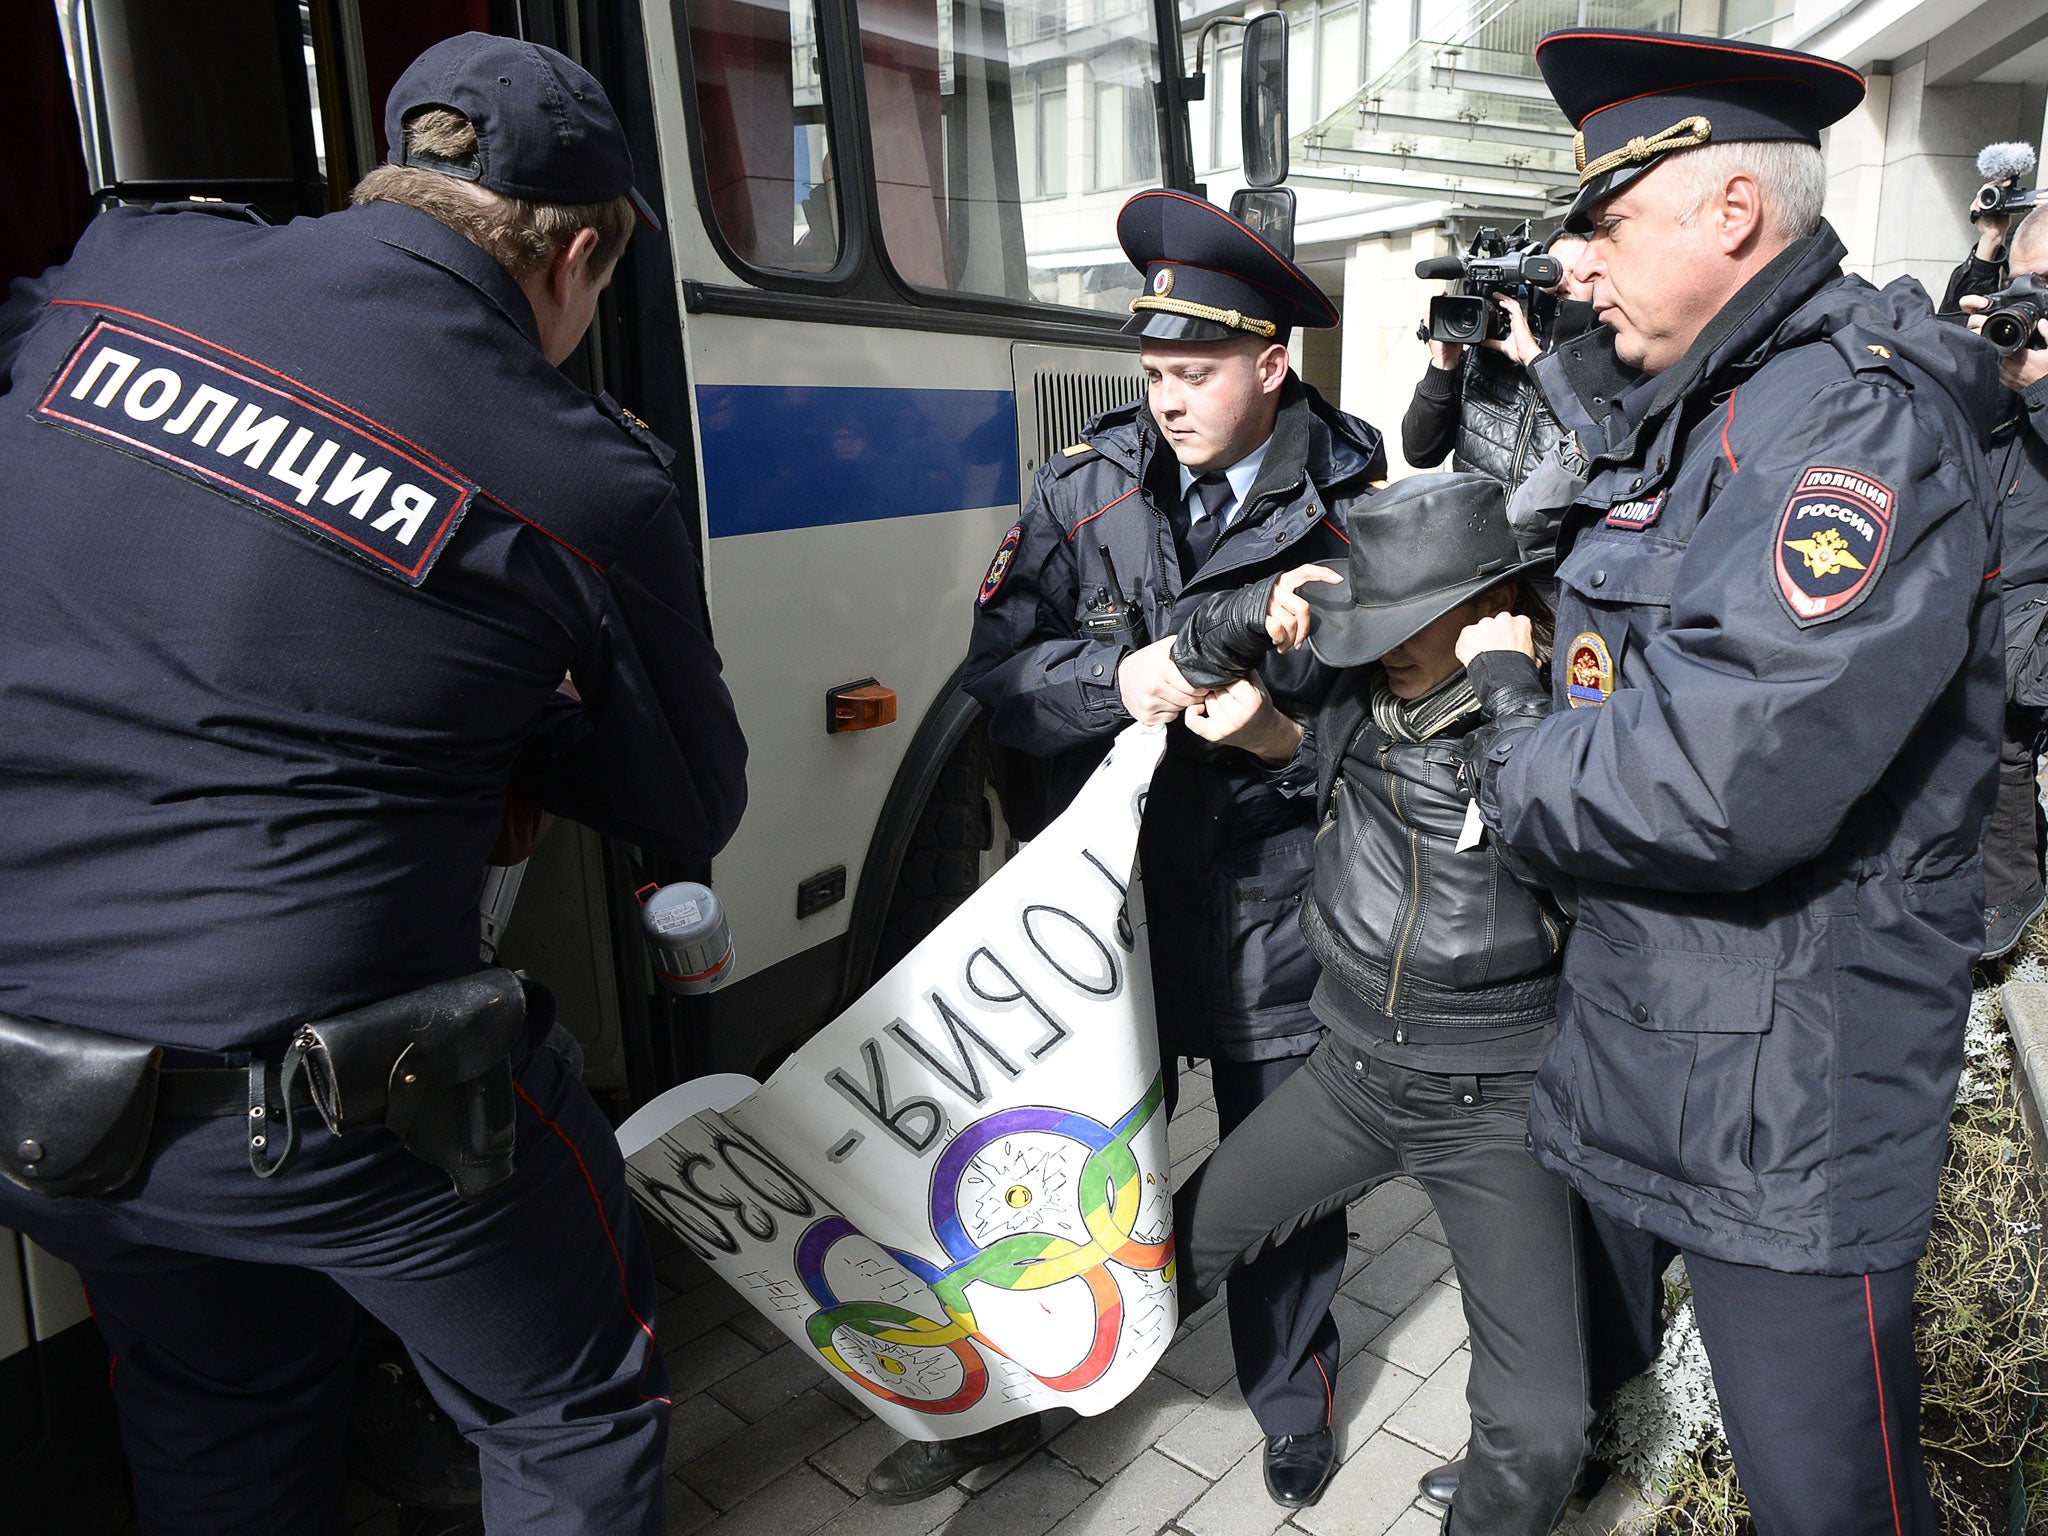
column 1006, row 133
column 767, row 148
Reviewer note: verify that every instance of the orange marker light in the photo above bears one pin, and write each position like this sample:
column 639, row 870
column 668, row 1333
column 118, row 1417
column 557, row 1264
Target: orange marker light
column 859, row 706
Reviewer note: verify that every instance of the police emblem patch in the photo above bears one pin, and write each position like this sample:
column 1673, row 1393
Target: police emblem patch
column 999, row 567
column 1588, row 672
column 1832, row 542
column 1636, row 514
column 1162, row 282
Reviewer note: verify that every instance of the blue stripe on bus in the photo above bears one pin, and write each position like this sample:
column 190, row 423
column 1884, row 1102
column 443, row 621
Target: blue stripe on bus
column 782, row 456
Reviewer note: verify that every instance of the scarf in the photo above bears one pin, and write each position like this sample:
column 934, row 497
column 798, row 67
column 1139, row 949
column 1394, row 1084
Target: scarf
column 1434, row 713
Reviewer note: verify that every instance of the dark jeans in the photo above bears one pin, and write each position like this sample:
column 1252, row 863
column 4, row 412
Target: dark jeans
column 1819, row 1386
column 2012, row 841
column 1281, row 1333
column 230, row 1305
column 1344, row 1124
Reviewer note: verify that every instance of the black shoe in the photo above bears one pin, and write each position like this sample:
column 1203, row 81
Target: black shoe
column 2006, row 923
column 400, row 1443
column 917, row 1469
column 1297, row 1467
column 1439, row 1485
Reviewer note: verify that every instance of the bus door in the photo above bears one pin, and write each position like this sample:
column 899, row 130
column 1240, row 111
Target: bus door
column 892, row 223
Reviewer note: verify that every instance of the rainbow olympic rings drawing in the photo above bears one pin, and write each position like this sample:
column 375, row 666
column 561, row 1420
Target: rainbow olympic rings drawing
column 934, row 1366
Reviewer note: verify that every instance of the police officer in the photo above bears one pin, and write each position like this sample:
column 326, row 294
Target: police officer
column 1778, row 680
column 1230, row 470
column 2013, row 892
column 303, row 531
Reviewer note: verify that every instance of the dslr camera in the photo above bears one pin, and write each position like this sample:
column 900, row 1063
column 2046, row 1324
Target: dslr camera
column 1491, row 266
column 2012, row 314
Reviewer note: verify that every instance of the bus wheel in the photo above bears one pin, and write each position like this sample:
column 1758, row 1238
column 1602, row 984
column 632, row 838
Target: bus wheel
column 959, row 841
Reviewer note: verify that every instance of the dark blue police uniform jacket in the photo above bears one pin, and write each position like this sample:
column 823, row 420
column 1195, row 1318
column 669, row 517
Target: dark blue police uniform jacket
column 1226, row 856
column 301, row 532
column 1778, row 682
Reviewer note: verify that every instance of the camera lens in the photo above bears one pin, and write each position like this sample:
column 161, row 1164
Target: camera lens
column 2006, row 329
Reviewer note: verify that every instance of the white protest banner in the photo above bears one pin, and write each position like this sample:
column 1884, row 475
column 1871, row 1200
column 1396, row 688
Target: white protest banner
column 955, row 1195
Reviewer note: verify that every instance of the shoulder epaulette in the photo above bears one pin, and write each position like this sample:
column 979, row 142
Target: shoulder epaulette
column 1073, row 456
column 636, row 428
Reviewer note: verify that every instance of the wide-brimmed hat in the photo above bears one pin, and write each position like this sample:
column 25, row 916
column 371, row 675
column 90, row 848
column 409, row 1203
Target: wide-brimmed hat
column 1418, row 549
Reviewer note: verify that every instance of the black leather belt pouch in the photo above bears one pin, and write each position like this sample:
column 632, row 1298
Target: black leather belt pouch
column 433, row 1066
column 75, row 1107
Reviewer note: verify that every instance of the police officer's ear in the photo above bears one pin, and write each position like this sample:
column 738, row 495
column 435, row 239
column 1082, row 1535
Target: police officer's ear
column 1271, row 367
column 564, row 294
column 1733, row 213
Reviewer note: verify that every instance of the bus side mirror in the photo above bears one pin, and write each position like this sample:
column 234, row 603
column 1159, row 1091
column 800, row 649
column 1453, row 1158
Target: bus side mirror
column 1264, row 106
column 1267, row 212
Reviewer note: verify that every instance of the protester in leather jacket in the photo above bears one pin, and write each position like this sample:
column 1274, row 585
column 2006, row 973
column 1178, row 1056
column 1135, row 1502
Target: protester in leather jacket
column 1439, row 972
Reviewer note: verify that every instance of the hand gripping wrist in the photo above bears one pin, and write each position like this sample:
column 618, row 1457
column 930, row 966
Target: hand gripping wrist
column 1225, row 637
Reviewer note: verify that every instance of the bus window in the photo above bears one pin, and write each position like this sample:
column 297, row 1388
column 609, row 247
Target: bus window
column 767, row 149
column 1006, row 135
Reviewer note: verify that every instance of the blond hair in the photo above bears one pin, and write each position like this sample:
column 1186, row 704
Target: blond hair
column 521, row 236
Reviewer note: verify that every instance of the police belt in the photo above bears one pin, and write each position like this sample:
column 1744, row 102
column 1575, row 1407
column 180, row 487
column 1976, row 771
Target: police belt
column 433, row 1066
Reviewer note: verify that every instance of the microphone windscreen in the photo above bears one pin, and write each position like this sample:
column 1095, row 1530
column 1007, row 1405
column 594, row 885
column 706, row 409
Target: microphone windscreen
column 1440, row 266
column 1995, row 162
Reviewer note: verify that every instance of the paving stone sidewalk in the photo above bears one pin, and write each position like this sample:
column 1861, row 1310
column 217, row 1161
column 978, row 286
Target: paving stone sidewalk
column 764, row 1444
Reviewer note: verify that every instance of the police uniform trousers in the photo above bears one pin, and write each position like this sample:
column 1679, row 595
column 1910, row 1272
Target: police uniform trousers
column 1819, row 1385
column 229, row 1304
column 1349, row 1122
column 1282, row 1337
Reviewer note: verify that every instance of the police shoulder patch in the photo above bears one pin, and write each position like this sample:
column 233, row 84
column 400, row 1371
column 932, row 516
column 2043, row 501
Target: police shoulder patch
column 1588, row 672
column 1636, row 514
column 999, row 567
column 1831, row 544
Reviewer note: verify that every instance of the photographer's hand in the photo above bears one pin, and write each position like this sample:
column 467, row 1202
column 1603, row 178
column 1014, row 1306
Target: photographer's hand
column 1446, row 356
column 1520, row 343
column 1991, row 232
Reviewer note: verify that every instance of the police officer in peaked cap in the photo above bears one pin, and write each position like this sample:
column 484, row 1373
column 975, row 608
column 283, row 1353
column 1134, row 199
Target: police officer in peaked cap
column 1779, row 698
column 304, row 531
column 1229, row 470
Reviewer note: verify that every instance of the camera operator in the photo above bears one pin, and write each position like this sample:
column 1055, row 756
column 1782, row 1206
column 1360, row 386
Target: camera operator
column 1984, row 270
column 2013, row 892
column 1480, row 401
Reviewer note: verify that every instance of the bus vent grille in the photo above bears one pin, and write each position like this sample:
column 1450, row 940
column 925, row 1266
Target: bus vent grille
column 1067, row 402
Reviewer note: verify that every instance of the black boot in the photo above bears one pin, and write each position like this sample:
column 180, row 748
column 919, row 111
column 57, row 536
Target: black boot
column 1297, row 1467
column 917, row 1469
column 399, row 1442
column 1439, row 1485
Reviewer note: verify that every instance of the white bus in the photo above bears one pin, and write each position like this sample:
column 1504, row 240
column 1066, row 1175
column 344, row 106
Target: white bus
column 887, row 287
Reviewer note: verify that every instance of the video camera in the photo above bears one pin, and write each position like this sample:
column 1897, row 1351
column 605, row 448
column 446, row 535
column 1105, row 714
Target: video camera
column 1491, row 266
column 2003, row 164
column 2013, row 314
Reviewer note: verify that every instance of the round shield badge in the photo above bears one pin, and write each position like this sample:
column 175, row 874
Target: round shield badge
column 1589, row 672
column 1162, row 282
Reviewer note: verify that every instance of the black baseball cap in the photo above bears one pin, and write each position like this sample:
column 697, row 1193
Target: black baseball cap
column 1638, row 96
column 545, row 130
column 1207, row 277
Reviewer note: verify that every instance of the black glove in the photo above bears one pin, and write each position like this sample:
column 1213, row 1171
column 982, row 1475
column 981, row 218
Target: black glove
column 1512, row 699
column 1225, row 637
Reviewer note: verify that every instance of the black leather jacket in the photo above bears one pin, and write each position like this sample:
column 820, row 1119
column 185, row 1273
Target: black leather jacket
column 1449, row 944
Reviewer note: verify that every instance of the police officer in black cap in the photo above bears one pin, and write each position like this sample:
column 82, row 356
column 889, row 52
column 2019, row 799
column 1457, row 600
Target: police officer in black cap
column 1779, row 688
column 304, row 530
column 1229, row 471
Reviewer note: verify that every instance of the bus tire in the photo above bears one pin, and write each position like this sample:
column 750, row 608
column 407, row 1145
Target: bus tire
column 944, row 862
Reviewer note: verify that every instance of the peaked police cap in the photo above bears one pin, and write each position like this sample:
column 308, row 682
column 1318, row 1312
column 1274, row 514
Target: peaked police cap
column 545, row 130
column 1638, row 96
column 1208, row 278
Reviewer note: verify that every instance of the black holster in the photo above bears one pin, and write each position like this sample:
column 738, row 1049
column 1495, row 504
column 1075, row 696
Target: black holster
column 434, row 1067
column 75, row 1107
